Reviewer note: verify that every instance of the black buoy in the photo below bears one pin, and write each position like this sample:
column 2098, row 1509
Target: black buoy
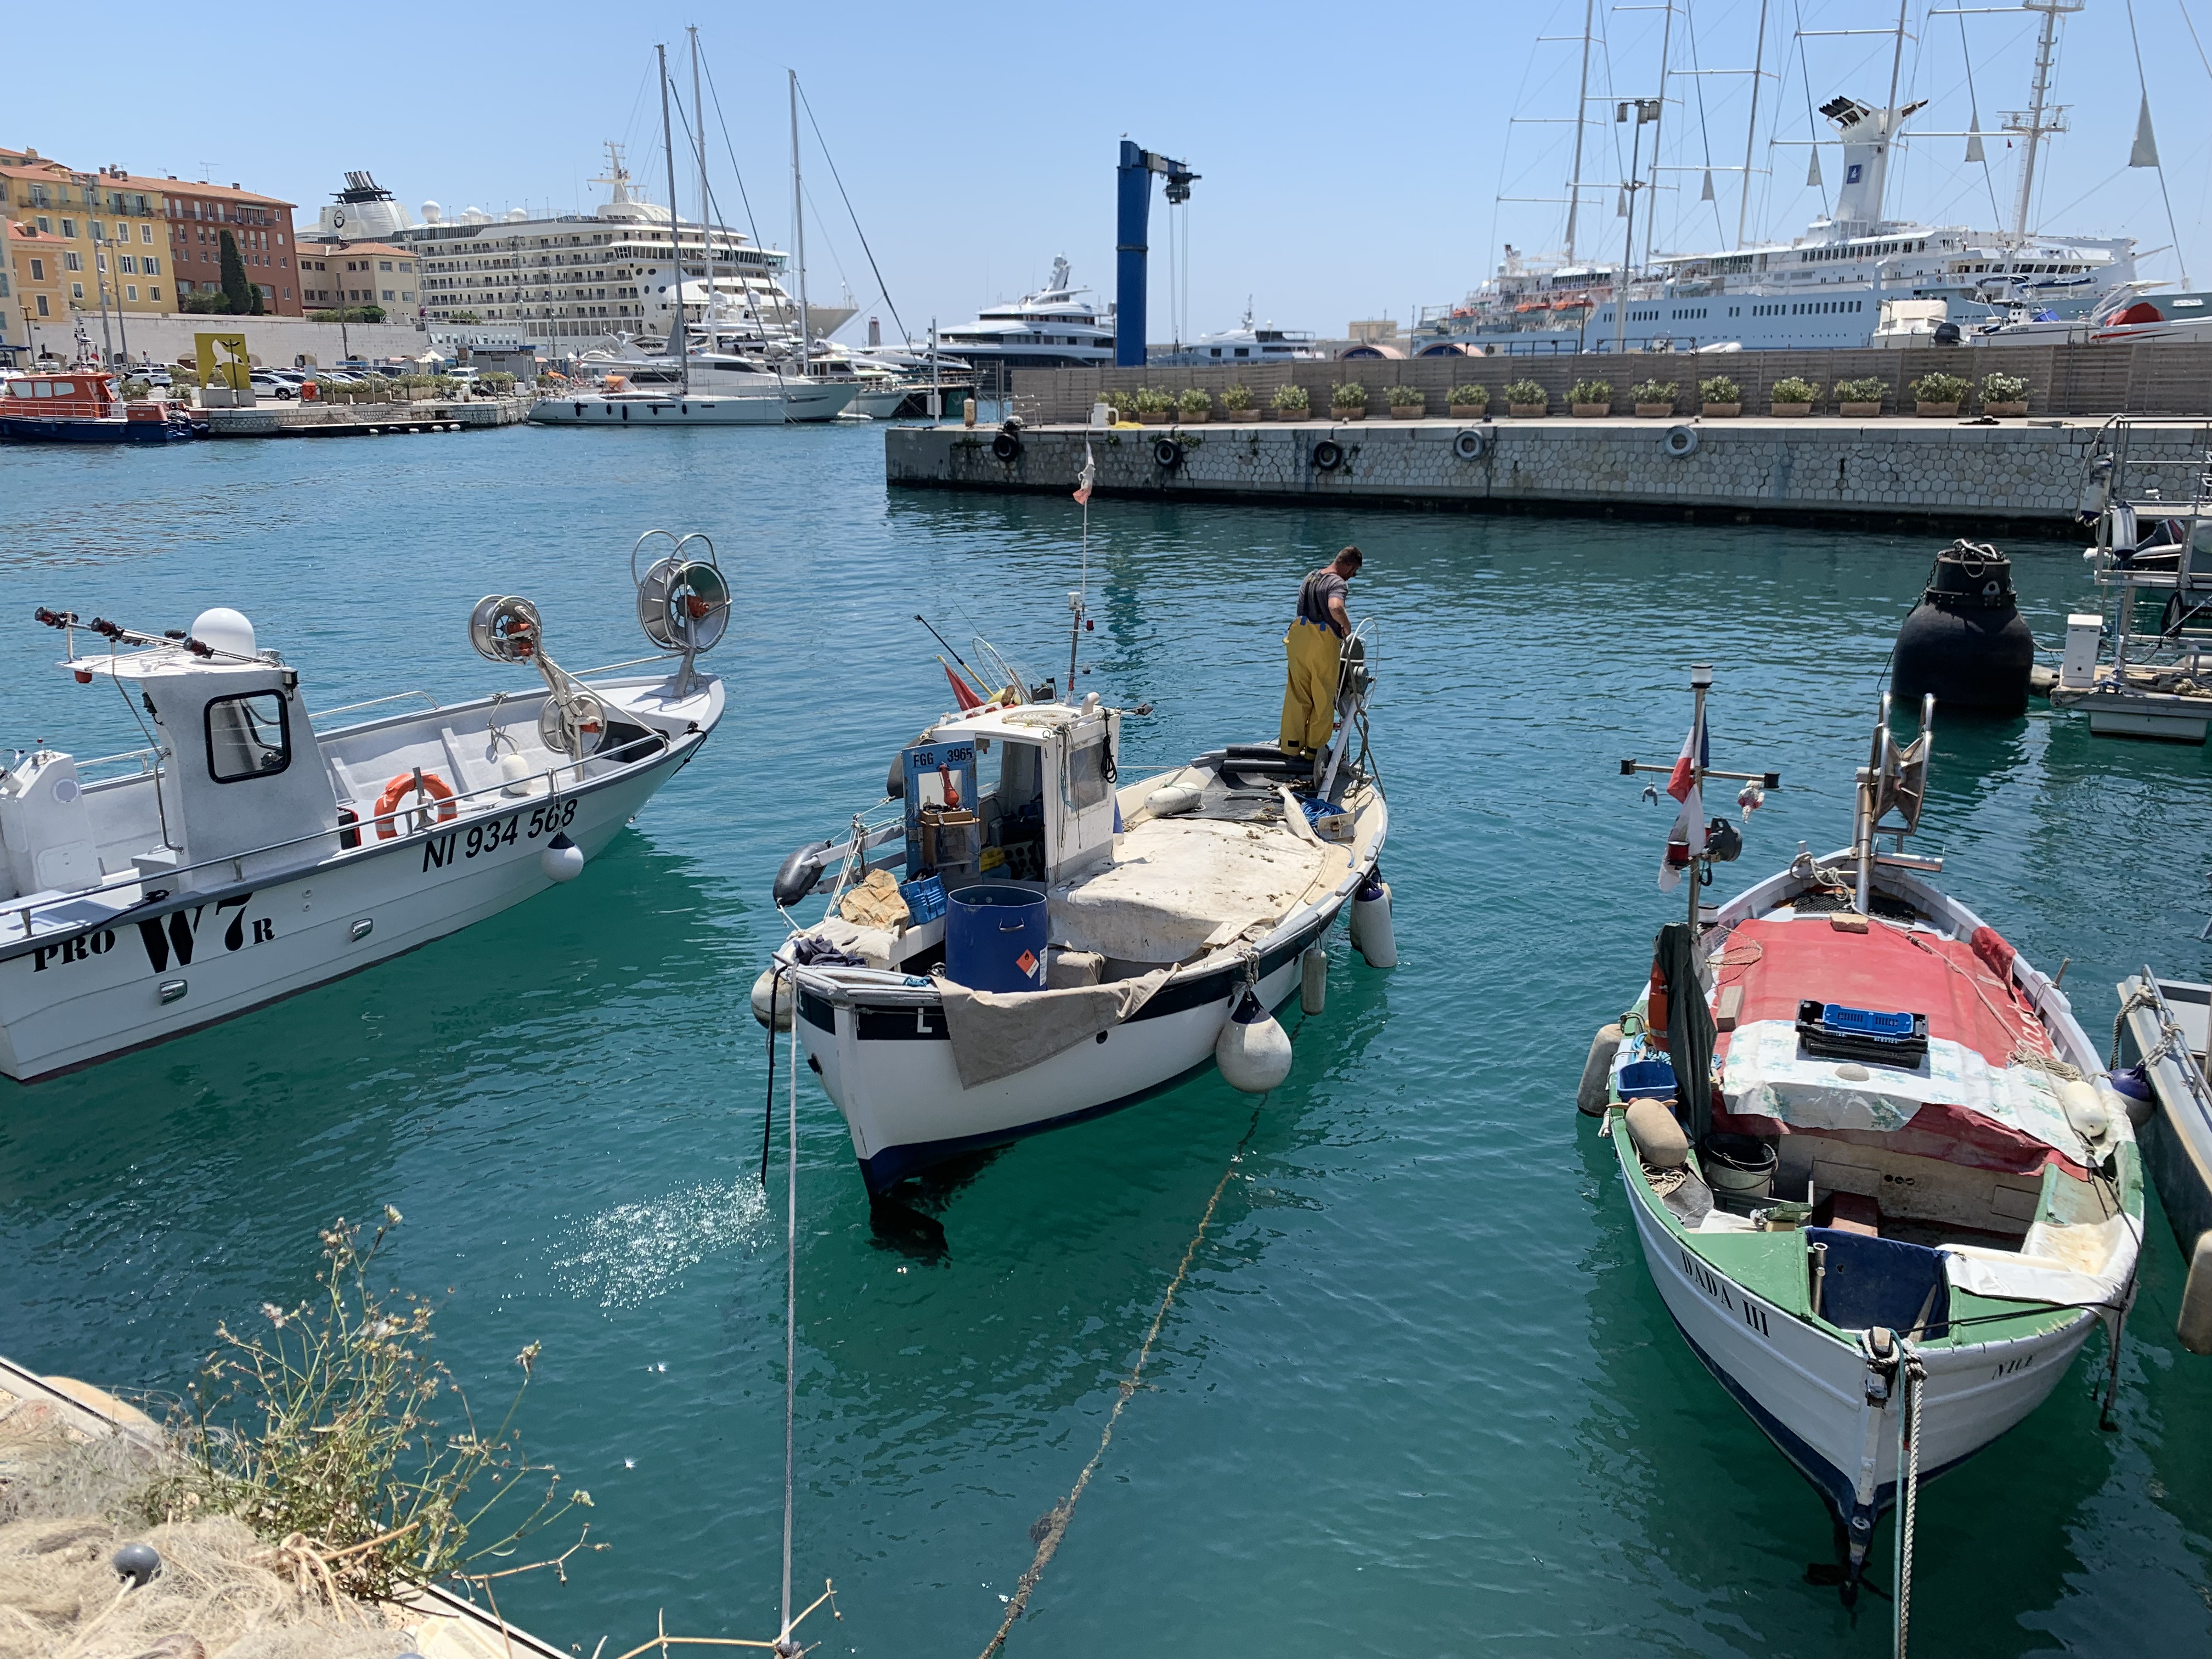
column 1965, row 641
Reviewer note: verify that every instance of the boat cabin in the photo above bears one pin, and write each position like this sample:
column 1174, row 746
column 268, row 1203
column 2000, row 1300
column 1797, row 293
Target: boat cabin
column 1022, row 794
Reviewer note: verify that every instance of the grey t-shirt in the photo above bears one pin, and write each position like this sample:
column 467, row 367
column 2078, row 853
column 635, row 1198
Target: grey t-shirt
column 1320, row 588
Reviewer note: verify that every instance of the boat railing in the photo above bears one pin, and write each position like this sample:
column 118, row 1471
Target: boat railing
column 428, row 817
column 351, row 707
column 147, row 759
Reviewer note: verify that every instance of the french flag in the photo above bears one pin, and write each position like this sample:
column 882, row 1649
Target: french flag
column 1686, row 839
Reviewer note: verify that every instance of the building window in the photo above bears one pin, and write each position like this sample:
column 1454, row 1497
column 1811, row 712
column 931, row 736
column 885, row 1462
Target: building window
column 145, row 233
column 155, row 292
column 38, row 270
column 76, row 290
column 129, row 264
column 69, row 227
column 41, row 299
column 287, row 293
column 130, row 290
column 71, row 260
column 151, row 267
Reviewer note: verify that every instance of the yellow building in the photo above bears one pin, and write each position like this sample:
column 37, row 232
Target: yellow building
column 337, row 275
column 92, row 237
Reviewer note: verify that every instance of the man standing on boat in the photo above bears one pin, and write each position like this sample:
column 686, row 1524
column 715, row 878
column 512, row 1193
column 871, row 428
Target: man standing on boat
column 1312, row 649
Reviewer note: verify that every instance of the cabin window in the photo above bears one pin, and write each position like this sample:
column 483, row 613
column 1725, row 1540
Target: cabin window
column 248, row 735
column 1087, row 774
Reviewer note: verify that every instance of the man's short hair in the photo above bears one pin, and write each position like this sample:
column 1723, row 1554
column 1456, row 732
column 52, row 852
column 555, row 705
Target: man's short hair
column 1350, row 556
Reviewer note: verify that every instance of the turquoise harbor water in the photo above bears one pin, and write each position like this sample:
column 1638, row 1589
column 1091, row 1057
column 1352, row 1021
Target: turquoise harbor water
column 1417, row 1396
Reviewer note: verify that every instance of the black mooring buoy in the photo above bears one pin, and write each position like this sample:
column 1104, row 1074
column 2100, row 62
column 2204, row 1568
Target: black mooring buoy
column 1965, row 641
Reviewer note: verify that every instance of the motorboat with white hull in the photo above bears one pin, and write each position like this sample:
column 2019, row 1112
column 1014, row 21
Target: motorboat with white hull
column 624, row 401
column 245, row 854
column 1893, row 1188
column 1068, row 943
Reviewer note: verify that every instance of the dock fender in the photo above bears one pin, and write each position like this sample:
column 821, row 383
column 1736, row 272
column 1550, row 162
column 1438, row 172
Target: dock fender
column 1168, row 454
column 1006, row 446
column 799, row 872
column 1591, row 1094
column 1327, row 455
column 1680, row 441
column 2194, row 1327
column 1471, row 444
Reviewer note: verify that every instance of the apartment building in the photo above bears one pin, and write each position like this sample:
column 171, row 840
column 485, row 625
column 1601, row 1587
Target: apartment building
column 197, row 216
column 337, row 274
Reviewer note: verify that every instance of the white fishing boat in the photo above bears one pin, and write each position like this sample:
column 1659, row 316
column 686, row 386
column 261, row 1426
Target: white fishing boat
column 2161, row 1036
column 1067, row 940
column 1881, row 1180
column 245, row 854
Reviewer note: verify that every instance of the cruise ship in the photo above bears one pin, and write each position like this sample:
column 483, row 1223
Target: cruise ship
column 1059, row 327
column 577, row 280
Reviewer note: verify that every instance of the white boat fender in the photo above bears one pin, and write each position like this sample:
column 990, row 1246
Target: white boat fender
column 1175, row 800
column 1658, row 1137
column 1372, row 935
column 514, row 776
column 2194, row 1327
column 1313, row 979
column 772, row 999
column 1253, row 1051
column 561, row 859
column 1590, row 1096
column 2091, row 1118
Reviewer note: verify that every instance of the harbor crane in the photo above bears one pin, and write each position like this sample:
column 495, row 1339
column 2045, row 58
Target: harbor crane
column 1136, row 180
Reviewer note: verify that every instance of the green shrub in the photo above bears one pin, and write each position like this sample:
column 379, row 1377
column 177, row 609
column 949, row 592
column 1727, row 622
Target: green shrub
column 1150, row 401
column 1794, row 389
column 1653, row 391
column 1351, row 395
column 1407, row 397
column 137, row 388
column 499, row 382
column 1870, row 390
column 2003, row 389
column 1196, row 401
column 1591, row 392
column 1471, row 397
column 1236, row 397
column 1939, row 388
column 1291, row 399
column 1120, row 400
column 463, row 317
column 1720, row 390
column 1525, row 393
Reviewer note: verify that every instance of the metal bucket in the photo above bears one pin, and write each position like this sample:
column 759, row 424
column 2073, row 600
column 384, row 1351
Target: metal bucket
column 994, row 938
column 1742, row 1165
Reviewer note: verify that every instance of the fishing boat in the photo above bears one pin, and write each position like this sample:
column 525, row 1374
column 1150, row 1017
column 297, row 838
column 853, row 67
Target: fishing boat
column 1069, row 940
column 1881, row 1180
column 80, row 406
column 251, row 850
column 2164, row 1029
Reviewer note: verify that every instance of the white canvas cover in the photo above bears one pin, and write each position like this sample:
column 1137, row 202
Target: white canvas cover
column 1180, row 886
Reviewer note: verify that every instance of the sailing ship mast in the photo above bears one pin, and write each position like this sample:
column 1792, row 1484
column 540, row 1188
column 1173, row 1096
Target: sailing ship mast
column 681, row 339
column 2030, row 124
column 706, row 214
column 799, row 228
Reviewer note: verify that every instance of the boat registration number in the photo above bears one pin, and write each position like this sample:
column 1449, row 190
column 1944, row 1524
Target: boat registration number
column 481, row 838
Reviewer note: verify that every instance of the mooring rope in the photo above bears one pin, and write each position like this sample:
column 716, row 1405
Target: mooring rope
column 784, row 1643
column 1912, row 1379
column 1056, row 1522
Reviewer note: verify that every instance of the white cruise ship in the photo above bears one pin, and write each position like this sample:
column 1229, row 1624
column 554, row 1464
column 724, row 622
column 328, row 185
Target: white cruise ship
column 1057, row 327
column 576, row 281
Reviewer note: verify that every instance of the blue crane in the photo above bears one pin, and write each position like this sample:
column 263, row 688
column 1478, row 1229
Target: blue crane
column 1135, row 181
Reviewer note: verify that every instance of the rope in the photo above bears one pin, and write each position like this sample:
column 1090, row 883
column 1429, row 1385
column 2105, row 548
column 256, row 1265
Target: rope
column 784, row 1643
column 1056, row 1520
column 1914, row 1379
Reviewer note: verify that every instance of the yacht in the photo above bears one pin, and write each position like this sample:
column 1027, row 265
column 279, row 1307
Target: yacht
column 1248, row 341
column 1059, row 327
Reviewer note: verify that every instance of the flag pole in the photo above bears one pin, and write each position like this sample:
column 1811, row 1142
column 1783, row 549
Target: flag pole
column 1701, row 681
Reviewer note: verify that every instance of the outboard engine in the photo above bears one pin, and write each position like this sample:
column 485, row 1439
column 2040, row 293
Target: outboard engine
column 1966, row 642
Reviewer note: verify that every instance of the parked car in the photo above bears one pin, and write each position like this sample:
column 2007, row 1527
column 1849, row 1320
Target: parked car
column 266, row 385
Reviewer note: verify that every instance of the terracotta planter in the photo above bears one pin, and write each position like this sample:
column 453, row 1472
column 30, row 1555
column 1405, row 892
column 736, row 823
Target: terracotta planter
column 1234, row 415
column 1196, row 417
column 1468, row 411
column 1359, row 414
column 1591, row 411
column 1721, row 411
column 1409, row 412
column 1858, row 411
column 1528, row 411
column 1790, row 409
column 2019, row 408
column 1152, row 418
column 1936, row 411
column 1655, row 411
column 1290, row 413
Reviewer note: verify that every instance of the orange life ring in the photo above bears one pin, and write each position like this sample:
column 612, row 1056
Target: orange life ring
column 402, row 785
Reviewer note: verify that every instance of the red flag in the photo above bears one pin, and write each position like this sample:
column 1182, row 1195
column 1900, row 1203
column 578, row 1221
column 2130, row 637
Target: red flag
column 967, row 699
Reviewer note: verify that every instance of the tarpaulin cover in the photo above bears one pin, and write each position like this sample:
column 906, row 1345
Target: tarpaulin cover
column 1689, row 1027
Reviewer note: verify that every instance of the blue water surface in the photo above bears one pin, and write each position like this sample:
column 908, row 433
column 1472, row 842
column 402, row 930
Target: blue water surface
column 1416, row 1395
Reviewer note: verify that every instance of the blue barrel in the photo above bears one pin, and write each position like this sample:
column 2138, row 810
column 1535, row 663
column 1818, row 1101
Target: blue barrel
column 994, row 938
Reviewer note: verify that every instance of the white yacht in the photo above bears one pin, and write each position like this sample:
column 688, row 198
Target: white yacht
column 1059, row 327
column 1260, row 343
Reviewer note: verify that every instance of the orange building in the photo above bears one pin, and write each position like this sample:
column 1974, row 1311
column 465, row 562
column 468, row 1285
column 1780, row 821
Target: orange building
column 261, row 226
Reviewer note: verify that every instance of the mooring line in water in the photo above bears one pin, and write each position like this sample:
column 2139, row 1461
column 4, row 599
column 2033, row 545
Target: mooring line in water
column 1056, row 1523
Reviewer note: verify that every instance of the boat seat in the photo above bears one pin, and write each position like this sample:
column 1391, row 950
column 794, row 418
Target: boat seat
column 1866, row 1282
column 1849, row 1212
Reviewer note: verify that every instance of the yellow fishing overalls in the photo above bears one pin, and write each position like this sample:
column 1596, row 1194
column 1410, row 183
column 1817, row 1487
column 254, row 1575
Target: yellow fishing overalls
column 1311, row 652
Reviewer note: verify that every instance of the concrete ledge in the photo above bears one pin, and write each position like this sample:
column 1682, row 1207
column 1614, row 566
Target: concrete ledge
column 2022, row 476
column 322, row 420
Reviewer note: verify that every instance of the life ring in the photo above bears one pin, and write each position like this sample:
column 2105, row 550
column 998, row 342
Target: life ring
column 1472, row 444
column 399, row 788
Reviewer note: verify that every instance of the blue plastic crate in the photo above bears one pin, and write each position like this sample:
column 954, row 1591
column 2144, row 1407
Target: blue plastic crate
column 925, row 898
column 1866, row 1022
column 1651, row 1079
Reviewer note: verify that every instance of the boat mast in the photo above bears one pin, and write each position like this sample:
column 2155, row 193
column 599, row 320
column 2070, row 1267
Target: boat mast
column 2032, row 126
column 1658, row 110
column 681, row 339
column 1751, row 127
column 799, row 226
column 1890, row 119
column 1581, row 105
column 706, row 218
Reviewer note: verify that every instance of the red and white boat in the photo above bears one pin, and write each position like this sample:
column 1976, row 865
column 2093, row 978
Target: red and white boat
column 81, row 406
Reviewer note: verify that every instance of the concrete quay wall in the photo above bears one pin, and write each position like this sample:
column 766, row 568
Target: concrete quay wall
column 1977, row 480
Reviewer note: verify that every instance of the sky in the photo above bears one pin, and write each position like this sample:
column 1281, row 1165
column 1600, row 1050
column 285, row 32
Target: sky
column 1351, row 167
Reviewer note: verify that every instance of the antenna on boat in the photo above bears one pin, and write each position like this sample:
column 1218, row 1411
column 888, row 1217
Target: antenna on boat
column 505, row 628
column 1893, row 780
column 683, row 603
column 1700, row 845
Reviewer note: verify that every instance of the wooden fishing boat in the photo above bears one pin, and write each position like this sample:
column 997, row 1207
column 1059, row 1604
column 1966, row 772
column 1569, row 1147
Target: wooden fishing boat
column 80, row 406
column 1880, row 1178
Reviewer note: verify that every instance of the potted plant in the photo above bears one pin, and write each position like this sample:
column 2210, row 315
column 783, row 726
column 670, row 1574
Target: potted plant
column 1590, row 399
column 1291, row 403
column 1409, row 403
column 1526, row 400
column 1153, row 406
column 1791, row 395
column 1937, row 396
column 1237, row 400
column 1653, row 399
column 1348, row 402
column 1720, row 398
column 1197, row 406
column 1861, row 399
column 2003, row 394
column 1123, row 402
column 1470, row 403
